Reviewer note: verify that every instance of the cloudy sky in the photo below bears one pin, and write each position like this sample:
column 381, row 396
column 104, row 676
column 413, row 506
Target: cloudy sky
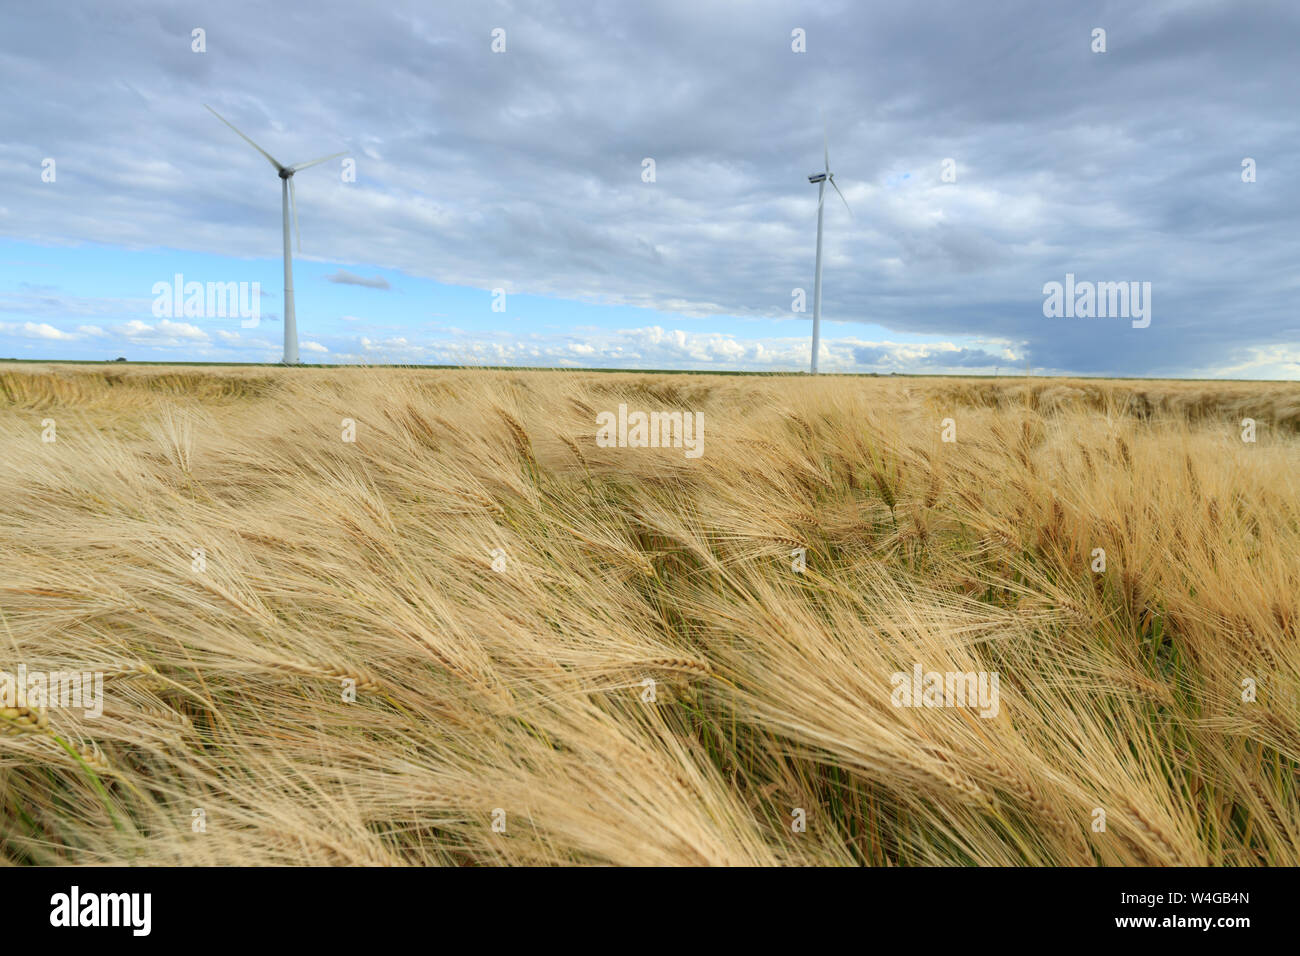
column 525, row 171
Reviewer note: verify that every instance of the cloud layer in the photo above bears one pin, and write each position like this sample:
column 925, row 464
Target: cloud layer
column 525, row 169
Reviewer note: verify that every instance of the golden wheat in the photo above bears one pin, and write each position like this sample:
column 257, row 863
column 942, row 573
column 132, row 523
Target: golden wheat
column 497, row 590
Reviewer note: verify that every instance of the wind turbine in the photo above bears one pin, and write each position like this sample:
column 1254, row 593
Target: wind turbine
column 287, row 200
column 821, row 179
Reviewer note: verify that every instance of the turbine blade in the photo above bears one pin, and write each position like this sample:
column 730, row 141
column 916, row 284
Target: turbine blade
column 837, row 189
column 826, row 146
column 269, row 158
column 317, row 162
column 293, row 207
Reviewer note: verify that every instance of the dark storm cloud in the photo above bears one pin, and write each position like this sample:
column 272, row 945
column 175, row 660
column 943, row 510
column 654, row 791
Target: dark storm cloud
column 923, row 359
column 964, row 358
column 523, row 169
column 870, row 354
column 343, row 277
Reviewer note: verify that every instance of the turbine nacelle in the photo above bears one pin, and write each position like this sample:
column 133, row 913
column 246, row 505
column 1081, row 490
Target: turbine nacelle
column 818, row 177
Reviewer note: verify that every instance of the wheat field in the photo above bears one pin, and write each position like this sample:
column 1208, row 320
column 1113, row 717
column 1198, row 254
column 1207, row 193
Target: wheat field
column 474, row 636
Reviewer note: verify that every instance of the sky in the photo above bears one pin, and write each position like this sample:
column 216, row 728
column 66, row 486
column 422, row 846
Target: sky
column 625, row 185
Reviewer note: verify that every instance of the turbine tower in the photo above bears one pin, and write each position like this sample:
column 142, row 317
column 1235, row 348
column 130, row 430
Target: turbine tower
column 821, row 179
column 287, row 201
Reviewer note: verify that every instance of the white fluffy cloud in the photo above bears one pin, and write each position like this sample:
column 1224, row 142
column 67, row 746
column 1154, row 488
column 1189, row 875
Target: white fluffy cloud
column 36, row 330
column 165, row 333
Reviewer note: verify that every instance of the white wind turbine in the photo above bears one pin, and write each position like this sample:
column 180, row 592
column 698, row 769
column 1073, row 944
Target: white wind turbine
column 822, row 178
column 287, row 200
